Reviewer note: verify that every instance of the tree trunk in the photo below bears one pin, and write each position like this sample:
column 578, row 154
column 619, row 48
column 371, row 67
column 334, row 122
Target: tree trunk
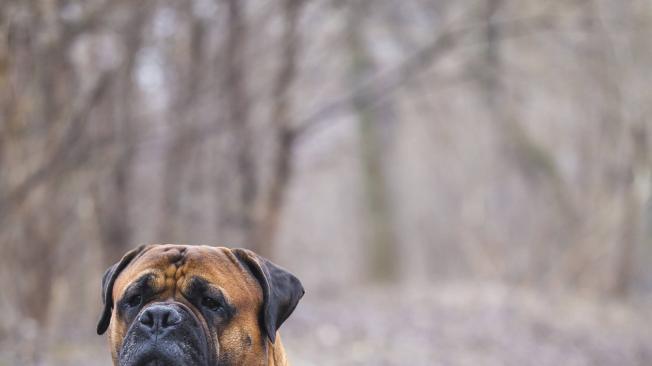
column 379, row 226
column 633, row 202
column 237, row 112
column 112, row 199
column 273, row 203
column 178, row 153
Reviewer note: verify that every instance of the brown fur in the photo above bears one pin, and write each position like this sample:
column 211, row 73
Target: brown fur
column 242, row 342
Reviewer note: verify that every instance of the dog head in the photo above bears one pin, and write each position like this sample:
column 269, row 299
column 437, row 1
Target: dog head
column 194, row 305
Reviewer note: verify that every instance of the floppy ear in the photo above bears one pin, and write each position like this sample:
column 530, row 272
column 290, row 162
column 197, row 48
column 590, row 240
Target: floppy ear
column 107, row 287
column 281, row 290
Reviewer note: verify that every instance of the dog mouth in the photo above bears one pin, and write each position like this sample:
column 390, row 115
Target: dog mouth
column 152, row 358
column 159, row 361
column 153, row 362
column 155, row 357
column 167, row 353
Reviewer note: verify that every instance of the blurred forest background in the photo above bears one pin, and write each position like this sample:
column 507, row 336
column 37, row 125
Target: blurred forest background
column 455, row 182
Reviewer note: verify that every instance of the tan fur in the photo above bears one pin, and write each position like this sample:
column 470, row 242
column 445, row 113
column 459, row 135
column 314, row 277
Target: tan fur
column 222, row 269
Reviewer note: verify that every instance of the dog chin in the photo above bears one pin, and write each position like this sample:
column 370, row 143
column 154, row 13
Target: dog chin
column 162, row 355
column 156, row 362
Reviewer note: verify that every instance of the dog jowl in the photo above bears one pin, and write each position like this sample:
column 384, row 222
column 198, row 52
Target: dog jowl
column 196, row 305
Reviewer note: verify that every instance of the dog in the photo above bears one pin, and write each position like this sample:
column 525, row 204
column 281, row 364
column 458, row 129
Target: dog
column 168, row 304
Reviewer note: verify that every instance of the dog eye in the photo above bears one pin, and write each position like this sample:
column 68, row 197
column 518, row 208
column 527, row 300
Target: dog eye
column 211, row 303
column 134, row 300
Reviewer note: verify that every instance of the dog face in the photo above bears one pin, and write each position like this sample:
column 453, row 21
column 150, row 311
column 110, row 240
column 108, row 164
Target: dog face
column 194, row 305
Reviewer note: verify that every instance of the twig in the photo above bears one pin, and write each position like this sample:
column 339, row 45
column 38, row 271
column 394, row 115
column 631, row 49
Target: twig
column 375, row 89
column 60, row 160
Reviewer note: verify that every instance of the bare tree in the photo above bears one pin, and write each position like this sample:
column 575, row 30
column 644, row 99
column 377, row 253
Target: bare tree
column 273, row 202
column 237, row 107
column 112, row 199
column 380, row 237
column 184, row 124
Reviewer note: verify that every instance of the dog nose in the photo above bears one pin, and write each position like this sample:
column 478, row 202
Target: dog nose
column 158, row 318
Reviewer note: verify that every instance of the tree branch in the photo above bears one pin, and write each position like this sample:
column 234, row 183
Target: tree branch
column 60, row 160
column 373, row 90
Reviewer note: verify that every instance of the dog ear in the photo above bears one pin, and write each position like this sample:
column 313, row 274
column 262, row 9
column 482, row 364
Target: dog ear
column 281, row 290
column 107, row 286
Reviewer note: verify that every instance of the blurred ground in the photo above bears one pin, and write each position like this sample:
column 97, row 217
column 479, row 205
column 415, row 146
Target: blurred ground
column 453, row 324
column 467, row 324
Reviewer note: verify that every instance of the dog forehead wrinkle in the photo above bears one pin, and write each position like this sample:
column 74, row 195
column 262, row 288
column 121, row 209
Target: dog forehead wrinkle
column 179, row 277
column 175, row 271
